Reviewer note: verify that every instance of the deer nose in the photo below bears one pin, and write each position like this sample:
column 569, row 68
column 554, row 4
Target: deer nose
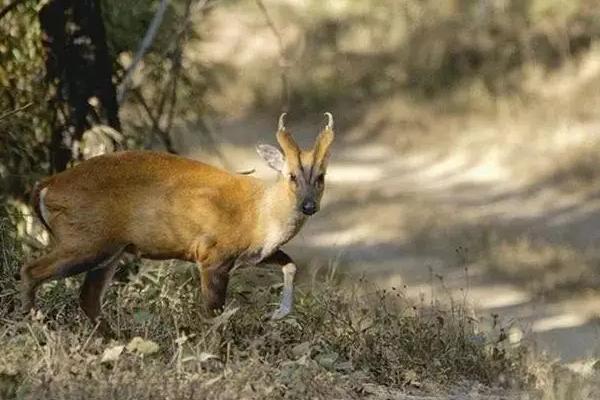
column 309, row 207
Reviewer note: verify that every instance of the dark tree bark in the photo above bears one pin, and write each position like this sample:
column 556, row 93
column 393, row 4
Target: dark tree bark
column 78, row 67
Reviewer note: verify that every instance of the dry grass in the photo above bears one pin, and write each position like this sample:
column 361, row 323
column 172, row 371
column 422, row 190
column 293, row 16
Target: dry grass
column 505, row 252
column 542, row 266
column 338, row 343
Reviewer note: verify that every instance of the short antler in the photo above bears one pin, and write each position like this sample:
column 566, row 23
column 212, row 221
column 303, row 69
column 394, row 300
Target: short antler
column 287, row 143
column 281, row 124
column 329, row 120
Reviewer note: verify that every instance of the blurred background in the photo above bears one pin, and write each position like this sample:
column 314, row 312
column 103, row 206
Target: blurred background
column 467, row 155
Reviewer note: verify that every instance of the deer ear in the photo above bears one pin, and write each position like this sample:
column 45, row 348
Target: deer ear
column 322, row 145
column 288, row 145
column 272, row 156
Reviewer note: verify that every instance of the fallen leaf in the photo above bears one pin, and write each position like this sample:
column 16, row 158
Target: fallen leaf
column 213, row 380
column 142, row 346
column 302, row 360
column 206, row 356
column 112, row 354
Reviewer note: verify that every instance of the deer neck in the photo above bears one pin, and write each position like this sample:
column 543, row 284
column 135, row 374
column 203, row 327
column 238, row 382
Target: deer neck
column 279, row 219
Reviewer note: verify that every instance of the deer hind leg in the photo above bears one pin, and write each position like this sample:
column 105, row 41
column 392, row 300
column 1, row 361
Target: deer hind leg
column 92, row 291
column 59, row 263
column 33, row 274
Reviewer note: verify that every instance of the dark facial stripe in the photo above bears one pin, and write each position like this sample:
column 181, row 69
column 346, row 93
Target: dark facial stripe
column 305, row 177
column 312, row 168
column 309, row 175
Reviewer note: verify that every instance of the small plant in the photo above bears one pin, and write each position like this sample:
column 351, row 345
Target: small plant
column 10, row 257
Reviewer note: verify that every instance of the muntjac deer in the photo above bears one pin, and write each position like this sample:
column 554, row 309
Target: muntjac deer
column 162, row 206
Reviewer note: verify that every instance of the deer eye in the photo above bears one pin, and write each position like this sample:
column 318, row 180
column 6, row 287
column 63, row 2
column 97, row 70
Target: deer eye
column 321, row 179
column 293, row 178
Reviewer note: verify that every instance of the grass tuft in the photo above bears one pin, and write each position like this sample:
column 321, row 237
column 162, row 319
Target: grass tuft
column 340, row 342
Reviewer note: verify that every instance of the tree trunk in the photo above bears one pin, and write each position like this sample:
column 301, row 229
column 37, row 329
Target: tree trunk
column 78, row 68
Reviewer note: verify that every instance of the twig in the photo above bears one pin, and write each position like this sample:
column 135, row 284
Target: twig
column 271, row 24
column 209, row 135
column 10, row 7
column 173, row 102
column 146, row 107
column 163, row 116
column 144, row 46
column 177, row 57
column 155, row 124
column 15, row 111
column 283, row 61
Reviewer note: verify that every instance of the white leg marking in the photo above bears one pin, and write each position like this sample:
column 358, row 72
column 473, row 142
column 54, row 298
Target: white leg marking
column 43, row 209
column 287, row 296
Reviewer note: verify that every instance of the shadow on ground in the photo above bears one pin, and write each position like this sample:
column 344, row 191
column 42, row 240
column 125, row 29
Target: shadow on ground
column 450, row 223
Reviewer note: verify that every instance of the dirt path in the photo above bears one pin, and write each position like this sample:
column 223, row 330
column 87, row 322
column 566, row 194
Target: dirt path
column 412, row 220
column 383, row 220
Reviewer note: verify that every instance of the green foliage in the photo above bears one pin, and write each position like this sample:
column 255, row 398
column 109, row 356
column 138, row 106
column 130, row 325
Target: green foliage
column 10, row 257
column 127, row 21
column 126, row 24
column 23, row 135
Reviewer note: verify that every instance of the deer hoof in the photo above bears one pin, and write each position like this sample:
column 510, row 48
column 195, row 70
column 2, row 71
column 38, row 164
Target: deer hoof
column 280, row 313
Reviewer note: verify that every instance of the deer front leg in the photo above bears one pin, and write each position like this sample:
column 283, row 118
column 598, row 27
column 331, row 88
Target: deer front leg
column 289, row 271
column 214, row 287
